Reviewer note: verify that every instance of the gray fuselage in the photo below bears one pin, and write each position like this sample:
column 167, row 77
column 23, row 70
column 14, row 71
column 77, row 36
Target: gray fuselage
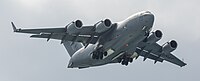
column 124, row 38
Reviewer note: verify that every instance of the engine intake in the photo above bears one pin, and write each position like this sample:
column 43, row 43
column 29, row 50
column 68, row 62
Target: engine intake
column 74, row 27
column 103, row 26
column 169, row 46
column 78, row 24
column 154, row 37
column 107, row 22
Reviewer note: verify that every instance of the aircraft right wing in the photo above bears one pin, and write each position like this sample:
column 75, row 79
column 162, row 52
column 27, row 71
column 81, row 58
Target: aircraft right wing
column 155, row 52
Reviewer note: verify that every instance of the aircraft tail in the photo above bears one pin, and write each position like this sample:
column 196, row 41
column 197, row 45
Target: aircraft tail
column 72, row 48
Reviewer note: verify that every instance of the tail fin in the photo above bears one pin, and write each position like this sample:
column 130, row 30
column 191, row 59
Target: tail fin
column 72, row 48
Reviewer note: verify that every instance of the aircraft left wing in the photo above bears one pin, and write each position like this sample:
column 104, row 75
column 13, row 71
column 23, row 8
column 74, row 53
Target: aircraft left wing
column 73, row 32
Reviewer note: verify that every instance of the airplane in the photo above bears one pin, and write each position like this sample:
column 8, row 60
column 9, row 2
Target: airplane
column 109, row 42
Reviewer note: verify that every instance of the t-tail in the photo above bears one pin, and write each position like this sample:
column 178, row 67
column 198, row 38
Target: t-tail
column 72, row 47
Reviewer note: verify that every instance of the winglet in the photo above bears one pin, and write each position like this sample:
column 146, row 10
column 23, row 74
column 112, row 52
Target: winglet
column 14, row 27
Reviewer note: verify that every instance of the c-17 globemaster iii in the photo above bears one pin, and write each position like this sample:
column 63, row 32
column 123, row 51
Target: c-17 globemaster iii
column 109, row 42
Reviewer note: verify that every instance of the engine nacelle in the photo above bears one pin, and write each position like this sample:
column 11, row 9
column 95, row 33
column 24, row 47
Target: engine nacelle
column 74, row 27
column 169, row 46
column 103, row 26
column 154, row 37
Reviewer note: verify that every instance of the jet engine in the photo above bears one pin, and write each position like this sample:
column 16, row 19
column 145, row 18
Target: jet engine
column 169, row 46
column 154, row 37
column 74, row 27
column 103, row 26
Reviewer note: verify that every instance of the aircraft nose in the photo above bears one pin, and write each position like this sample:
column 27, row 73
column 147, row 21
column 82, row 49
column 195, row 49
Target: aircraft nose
column 148, row 15
column 147, row 12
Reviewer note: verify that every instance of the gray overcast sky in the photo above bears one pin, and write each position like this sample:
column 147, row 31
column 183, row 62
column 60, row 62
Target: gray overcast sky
column 24, row 59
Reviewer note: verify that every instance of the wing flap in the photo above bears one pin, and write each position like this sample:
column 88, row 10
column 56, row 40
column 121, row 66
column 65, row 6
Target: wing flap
column 67, row 37
column 150, row 56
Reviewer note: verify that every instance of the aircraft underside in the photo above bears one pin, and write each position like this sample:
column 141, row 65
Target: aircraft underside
column 106, row 42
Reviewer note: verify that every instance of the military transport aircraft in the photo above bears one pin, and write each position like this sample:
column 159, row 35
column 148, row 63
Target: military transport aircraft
column 106, row 42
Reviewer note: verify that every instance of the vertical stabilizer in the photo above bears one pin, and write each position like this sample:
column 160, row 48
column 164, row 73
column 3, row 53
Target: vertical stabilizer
column 72, row 47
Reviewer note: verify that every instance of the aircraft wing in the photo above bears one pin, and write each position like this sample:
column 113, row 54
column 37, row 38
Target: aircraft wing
column 153, row 51
column 85, row 37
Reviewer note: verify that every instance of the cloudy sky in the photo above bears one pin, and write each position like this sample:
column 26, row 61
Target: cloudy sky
column 25, row 59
